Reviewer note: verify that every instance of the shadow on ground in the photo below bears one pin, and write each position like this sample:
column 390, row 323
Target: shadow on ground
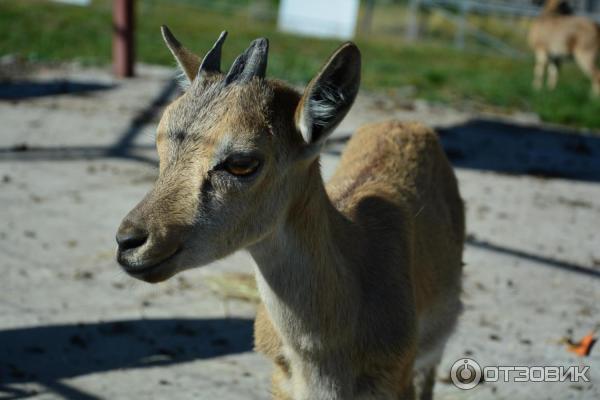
column 21, row 90
column 49, row 354
column 498, row 146
column 539, row 259
column 123, row 147
column 482, row 144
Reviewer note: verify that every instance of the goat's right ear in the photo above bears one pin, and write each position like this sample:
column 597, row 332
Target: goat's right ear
column 329, row 96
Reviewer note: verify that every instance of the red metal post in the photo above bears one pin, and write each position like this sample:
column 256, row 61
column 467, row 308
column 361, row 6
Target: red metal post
column 123, row 46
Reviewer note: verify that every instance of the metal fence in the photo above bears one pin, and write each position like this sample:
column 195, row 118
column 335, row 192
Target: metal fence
column 458, row 11
column 590, row 8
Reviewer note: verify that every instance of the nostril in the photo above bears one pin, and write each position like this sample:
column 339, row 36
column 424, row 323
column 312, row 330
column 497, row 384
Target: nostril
column 131, row 239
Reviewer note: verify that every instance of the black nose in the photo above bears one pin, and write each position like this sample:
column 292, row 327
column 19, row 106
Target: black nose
column 131, row 237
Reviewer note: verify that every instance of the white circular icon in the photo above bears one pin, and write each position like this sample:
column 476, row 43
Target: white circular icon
column 465, row 373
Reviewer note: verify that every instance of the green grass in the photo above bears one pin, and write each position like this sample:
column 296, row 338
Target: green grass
column 42, row 31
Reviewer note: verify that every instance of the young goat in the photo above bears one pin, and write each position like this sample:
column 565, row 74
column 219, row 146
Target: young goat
column 360, row 280
column 556, row 35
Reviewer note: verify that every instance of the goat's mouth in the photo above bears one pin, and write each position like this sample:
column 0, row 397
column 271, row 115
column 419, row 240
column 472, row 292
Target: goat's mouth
column 152, row 271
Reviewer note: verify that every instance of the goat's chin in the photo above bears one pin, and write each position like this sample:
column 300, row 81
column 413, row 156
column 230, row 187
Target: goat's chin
column 170, row 267
column 156, row 275
column 156, row 272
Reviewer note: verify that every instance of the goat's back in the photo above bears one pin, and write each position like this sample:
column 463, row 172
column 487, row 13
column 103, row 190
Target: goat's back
column 404, row 166
column 562, row 35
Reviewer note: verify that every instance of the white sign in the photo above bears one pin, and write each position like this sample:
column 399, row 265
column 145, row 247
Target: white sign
column 321, row 18
column 76, row 2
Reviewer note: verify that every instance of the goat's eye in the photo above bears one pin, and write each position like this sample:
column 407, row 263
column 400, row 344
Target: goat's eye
column 241, row 165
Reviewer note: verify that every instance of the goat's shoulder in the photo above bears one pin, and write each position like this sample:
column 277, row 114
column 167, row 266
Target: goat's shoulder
column 390, row 160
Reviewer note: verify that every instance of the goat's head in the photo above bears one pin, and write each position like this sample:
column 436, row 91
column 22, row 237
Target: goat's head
column 235, row 150
column 562, row 7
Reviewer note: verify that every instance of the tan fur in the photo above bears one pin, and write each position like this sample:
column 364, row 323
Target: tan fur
column 554, row 36
column 360, row 279
column 398, row 171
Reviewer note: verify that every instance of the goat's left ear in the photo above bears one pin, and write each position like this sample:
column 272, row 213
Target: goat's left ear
column 188, row 61
column 329, row 96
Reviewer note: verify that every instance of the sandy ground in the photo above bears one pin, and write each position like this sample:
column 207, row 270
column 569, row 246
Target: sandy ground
column 72, row 326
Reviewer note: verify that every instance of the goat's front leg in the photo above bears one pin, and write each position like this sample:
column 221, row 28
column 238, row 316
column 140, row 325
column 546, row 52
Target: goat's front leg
column 553, row 68
column 541, row 62
column 325, row 377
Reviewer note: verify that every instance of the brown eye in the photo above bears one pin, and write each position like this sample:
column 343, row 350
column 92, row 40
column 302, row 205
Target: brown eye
column 241, row 166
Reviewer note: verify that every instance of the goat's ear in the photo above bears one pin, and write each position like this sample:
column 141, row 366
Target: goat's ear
column 329, row 96
column 188, row 61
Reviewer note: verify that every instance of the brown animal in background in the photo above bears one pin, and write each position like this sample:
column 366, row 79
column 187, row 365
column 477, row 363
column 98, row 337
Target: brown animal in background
column 360, row 279
column 554, row 35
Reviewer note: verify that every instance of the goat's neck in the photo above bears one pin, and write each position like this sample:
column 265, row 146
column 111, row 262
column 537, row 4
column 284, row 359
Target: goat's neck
column 305, row 271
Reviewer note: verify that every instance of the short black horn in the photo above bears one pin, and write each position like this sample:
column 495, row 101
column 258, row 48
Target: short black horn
column 251, row 63
column 212, row 60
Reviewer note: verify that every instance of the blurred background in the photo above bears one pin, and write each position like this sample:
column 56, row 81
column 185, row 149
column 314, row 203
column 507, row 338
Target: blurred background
column 472, row 53
column 78, row 113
